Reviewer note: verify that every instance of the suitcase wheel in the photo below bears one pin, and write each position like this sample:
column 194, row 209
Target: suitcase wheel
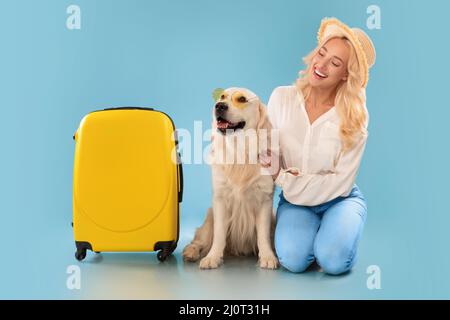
column 82, row 248
column 166, row 249
column 162, row 255
column 80, row 254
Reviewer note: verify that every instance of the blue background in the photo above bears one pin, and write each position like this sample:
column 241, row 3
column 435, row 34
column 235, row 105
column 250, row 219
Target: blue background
column 171, row 55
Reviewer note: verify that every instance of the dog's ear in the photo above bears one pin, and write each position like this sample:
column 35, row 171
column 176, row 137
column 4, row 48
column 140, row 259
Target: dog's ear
column 263, row 130
column 263, row 121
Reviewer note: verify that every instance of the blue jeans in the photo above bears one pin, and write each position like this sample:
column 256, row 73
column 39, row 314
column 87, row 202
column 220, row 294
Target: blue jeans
column 328, row 233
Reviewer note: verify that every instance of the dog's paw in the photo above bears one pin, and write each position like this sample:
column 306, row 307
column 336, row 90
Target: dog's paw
column 191, row 253
column 210, row 262
column 268, row 261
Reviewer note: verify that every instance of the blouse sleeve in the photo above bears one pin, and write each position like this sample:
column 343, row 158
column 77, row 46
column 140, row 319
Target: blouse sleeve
column 314, row 189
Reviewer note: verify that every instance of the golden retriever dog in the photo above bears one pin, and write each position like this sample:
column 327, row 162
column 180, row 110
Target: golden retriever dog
column 241, row 220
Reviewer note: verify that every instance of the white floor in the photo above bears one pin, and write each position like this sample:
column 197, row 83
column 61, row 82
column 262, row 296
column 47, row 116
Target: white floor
column 142, row 276
column 39, row 270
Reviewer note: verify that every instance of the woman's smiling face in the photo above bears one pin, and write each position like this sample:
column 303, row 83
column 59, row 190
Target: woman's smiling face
column 329, row 65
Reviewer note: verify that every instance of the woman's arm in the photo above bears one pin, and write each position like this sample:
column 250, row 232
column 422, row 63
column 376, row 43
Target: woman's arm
column 313, row 189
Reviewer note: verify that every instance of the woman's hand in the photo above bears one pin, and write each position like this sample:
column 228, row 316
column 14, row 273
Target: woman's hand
column 266, row 160
column 293, row 171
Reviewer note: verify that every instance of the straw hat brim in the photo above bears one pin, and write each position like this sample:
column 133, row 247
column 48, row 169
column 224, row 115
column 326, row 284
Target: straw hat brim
column 332, row 27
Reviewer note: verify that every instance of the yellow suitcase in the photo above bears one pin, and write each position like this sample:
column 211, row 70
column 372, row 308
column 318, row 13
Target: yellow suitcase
column 127, row 183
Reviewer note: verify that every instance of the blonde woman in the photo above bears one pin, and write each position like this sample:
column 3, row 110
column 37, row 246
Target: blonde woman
column 322, row 122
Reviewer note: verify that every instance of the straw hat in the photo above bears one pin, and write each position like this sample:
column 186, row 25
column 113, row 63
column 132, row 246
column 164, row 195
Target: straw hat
column 365, row 50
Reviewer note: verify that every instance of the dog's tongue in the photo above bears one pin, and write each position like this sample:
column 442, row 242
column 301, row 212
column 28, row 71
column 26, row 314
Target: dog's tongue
column 222, row 124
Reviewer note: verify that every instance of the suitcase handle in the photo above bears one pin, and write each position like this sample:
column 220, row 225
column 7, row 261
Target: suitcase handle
column 180, row 170
column 129, row 108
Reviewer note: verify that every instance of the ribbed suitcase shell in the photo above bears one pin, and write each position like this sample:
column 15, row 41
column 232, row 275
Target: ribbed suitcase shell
column 126, row 185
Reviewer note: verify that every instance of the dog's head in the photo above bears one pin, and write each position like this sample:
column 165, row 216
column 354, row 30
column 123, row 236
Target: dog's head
column 238, row 109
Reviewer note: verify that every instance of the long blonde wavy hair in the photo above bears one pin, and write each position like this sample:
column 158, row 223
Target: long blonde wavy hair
column 350, row 101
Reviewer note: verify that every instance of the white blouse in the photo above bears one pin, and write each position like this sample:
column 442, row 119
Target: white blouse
column 313, row 150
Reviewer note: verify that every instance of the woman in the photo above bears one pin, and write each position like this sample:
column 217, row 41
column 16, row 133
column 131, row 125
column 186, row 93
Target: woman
column 322, row 122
